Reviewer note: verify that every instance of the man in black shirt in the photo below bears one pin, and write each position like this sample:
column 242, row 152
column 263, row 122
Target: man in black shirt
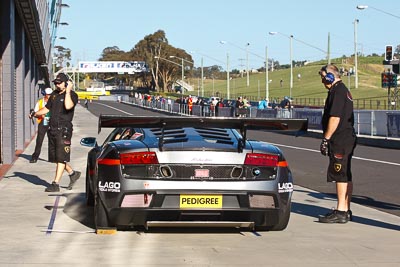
column 61, row 104
column 339, row 141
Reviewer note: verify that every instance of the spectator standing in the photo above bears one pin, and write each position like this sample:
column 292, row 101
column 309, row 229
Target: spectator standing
column 285, row 107
column 338, row 143
column 190, row 104
column 43, row 124
column 220, row 104
column 61, row 104
column 285, row 103
column 246, row 103
column 238, row 106
column 262, row 104
column 169, row 103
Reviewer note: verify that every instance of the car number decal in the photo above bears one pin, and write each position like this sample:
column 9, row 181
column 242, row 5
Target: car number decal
column 200, row 201
column 202, row 173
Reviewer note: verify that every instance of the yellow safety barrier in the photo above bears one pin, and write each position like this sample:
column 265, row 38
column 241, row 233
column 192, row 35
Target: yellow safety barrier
column 90, row 95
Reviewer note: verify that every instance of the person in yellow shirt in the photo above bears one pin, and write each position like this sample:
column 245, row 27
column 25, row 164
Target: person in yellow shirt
column 43, row 124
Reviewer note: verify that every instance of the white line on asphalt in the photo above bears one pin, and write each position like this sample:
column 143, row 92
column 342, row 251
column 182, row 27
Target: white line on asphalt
column 68, row 231
column 115, row 108
column 359, row 158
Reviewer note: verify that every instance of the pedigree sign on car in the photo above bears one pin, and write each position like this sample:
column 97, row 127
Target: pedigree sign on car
column 200, row 201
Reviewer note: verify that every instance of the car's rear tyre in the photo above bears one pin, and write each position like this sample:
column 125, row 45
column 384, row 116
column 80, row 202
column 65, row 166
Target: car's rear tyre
column 281, row 225
column 89, row 192
column 100, row 214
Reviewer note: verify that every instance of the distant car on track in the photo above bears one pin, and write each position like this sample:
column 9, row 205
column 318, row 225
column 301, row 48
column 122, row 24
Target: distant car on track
column 188, row 171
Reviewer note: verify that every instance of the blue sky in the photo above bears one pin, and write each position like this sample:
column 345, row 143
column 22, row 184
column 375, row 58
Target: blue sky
column 199, row 26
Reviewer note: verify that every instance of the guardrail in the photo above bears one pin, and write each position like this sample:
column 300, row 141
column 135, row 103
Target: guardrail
column 379, row 123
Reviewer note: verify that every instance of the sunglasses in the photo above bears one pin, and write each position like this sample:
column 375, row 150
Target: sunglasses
column 57, row 82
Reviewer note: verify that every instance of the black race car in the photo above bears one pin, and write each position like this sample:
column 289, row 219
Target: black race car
column 189, row 171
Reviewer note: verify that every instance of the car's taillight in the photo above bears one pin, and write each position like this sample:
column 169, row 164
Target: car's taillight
column 259, row 159
column 106, row 161
column 139, row 158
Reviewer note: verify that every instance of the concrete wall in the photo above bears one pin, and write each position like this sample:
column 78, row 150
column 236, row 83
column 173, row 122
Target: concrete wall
column 20, row 72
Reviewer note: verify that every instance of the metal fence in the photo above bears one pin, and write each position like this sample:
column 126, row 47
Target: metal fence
column 368, row 104
column 383, row 123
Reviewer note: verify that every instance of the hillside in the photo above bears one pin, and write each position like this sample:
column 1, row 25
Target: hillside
column 307, row 89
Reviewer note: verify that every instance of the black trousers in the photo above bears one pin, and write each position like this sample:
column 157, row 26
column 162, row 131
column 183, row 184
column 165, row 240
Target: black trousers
column 42, row 130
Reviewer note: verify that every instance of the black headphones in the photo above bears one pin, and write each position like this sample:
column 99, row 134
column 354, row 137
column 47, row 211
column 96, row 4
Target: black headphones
column 329, row 77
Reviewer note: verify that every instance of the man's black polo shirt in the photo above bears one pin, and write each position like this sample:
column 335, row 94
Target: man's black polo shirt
column 59, row 116
column 339, row 103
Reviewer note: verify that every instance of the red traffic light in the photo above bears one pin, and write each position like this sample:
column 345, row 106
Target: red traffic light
column 389, row 53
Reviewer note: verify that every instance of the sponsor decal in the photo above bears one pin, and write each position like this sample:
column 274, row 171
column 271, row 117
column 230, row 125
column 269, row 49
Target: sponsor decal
column 337, row 167
column 114, row 187
column 285, row 187
column 200, row 201
column 202, row 173
column 67, row 149
column 338, row 156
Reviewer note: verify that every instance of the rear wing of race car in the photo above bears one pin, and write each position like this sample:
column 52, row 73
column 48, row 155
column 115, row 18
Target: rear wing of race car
column 169, row 122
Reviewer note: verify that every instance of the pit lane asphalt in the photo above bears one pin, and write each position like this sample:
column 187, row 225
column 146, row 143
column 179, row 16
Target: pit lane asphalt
column 48, row 229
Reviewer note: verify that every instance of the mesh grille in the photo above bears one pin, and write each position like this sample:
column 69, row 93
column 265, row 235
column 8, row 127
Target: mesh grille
column 215, row 172
column 260, row 201
column 188, row 172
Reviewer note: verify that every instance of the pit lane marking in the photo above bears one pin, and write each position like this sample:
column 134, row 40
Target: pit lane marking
column 120, row 110
column 359, row 158
column 53, row 216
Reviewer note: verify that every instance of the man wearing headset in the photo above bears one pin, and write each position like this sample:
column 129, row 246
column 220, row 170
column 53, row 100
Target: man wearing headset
column 61, row 104
column 339, row 141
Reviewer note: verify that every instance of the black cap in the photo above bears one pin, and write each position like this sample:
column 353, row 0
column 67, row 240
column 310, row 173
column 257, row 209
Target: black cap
column 61, row 77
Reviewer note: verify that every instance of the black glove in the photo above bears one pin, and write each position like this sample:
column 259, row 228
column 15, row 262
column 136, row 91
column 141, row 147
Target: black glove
column 324, row 147
column 32, row 115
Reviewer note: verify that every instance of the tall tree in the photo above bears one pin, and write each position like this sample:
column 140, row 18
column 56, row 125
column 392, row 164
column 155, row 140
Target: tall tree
column 113, row 53
column 147, row 49
column 155, row 50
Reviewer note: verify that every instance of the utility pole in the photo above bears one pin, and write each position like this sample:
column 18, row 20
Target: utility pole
column 328, row 53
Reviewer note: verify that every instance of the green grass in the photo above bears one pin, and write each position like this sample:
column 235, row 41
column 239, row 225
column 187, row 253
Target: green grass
column 309, row 88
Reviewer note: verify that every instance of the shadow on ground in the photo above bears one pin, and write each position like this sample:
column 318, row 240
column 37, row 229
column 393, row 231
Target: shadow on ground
column 312, row 210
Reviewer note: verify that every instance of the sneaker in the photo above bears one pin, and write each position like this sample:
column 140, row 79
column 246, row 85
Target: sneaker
column 350, row 215
column 33, row 160
column 73, row 178
column 335, row 216
column 54, row 187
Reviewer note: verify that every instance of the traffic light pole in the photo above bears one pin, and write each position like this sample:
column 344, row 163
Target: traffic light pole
column 393, row 97
column 389, row 78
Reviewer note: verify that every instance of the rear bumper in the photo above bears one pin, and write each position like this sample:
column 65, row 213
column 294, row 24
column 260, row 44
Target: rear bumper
column 197, row 218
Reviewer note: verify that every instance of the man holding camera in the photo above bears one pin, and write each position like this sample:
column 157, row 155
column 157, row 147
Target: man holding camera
column 61, row 105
